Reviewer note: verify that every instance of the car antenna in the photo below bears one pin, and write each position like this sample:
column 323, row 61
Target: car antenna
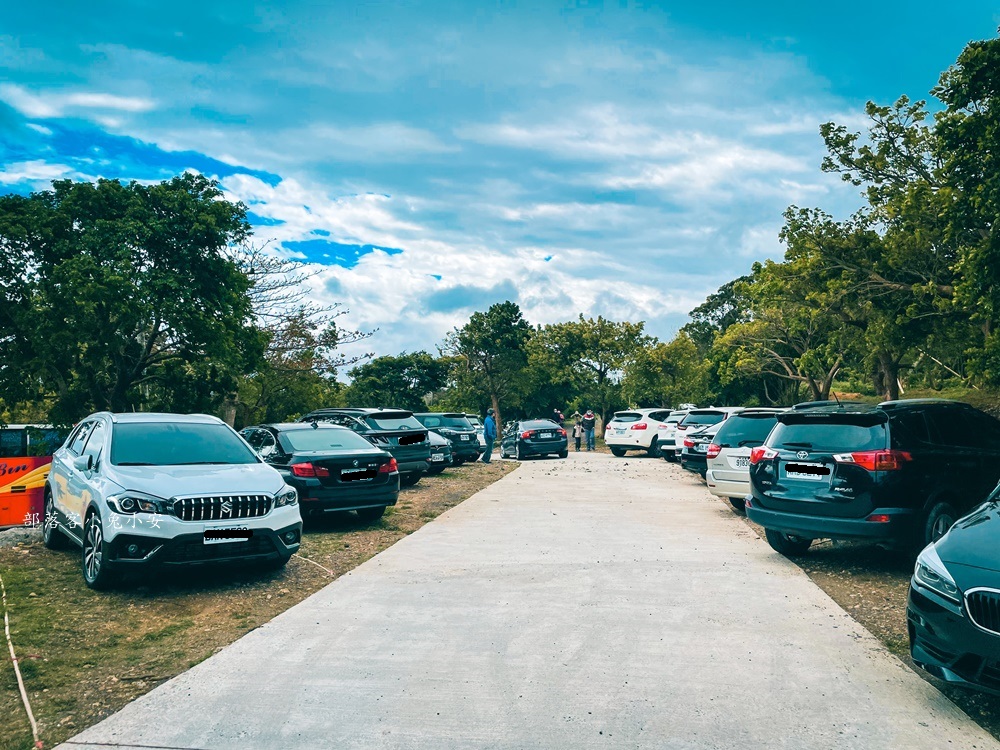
column 835, row 398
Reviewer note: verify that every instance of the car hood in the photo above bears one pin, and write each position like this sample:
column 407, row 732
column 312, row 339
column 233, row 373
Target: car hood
column 972, row 541
column 180, row 481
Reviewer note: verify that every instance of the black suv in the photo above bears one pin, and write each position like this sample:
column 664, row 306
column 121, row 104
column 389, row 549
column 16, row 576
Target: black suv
column 459, row 431
column 900, row 472
column 393, row 430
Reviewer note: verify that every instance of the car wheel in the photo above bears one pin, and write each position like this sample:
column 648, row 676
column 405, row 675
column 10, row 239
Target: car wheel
column 739, row 505
column 563, row 454
column 52, row 537
column 670, row 456
column 618, row 452
column 940, row 518
column 518, row 453
column 370, row 514
column 408, row 480
column 654, row 449
column 787, row 544
column 94, row 559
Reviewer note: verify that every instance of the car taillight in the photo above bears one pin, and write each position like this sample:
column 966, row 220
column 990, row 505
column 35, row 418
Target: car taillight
column 389, row 467
column 308, row 470
column 640, row 426
column 762, row 453
column 527, row 434
column 682, row 427
column 562, row 432
column 875, row 460
column 713, row 450
column 688, row 443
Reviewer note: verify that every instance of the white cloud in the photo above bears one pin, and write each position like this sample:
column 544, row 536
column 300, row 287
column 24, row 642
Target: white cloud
column 58, row 104
column 36, row 172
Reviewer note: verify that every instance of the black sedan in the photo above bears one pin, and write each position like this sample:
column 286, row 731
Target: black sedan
column 534, row 437
column 694, row 455
column 953, row 612
column 333, row 468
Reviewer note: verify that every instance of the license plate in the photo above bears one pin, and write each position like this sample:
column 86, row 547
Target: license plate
column 619, row 432
column 701, row 449
column 545, row 435
column 437, row 458
column 465, row 437
column 812, row 472
column 353, row 475
column 741, row 462
column 223, row 534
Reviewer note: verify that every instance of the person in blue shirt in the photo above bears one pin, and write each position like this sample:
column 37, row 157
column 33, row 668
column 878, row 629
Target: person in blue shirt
column 489, row 434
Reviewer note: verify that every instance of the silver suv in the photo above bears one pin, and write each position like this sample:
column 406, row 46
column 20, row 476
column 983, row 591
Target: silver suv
column 134, row 490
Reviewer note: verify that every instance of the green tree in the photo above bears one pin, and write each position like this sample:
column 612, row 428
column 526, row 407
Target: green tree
column 122, row 296
column 490, row 354
column 403, row 381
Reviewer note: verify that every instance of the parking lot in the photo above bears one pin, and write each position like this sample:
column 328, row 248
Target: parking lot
column 591, row 602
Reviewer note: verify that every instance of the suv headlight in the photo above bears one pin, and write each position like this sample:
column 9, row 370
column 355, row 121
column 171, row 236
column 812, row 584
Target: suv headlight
column 129, row 502
column 931, row 573
column 287, row 496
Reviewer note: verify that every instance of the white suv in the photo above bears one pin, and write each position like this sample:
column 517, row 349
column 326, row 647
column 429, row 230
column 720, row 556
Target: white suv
column 136, row 490
column 728, row 471
column 636, row 429
column 667, row 434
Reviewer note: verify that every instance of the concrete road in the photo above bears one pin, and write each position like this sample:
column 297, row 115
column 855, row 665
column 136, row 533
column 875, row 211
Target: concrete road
column 588, row 603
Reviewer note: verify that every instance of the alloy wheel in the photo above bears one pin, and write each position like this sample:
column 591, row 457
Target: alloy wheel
column 93, row 552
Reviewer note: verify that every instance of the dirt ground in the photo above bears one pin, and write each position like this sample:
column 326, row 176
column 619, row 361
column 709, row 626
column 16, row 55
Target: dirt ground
column 84, row 654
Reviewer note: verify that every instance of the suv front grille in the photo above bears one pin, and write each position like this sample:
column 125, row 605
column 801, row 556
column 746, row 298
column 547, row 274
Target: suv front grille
column 200, row 552
column 983, row 606
column 222, row 507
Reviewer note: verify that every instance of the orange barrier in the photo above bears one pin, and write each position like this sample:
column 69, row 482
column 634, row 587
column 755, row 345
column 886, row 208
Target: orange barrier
column 22, row 490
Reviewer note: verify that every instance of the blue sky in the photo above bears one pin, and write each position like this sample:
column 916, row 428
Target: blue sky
column 429, row 159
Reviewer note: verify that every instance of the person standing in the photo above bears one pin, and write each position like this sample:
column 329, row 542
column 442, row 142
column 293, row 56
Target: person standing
column 578, row 432
column 489, row 435
column 589, row 423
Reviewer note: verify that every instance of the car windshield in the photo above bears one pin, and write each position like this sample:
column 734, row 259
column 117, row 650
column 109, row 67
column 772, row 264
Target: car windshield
column 710, row 417
column 394, row 421
column 627, row 416
column 455, row 421
column 323, row 440
column 177, row 444
column 863, row 434
column 739, row 431
column 539, row 424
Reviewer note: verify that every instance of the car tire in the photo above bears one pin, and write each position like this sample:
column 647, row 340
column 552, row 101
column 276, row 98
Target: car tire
column 939, row 519
column 669, row 456
column 618, row 452
column 408, row 480
column 739, row 505
column 52, row 536
column 369, row 515
column 654, row 449
column 564, row 454
column 787, row 544
column 276, row 564
column 94, row 555
column 435, row 471
column 518, row 453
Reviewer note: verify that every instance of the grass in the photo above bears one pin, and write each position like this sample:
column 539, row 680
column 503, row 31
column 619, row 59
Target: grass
column 84, row 655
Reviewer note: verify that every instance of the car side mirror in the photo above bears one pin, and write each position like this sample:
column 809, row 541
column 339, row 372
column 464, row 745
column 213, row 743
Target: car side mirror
column 83, row 463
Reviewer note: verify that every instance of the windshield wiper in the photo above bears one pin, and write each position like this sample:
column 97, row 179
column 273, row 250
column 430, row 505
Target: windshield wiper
column 744, row 443
column 797, row 445
column 201, row 463
column 135, row 463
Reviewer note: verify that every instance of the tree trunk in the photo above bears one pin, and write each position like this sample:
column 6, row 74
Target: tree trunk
column 496, row 413
column 889, row 368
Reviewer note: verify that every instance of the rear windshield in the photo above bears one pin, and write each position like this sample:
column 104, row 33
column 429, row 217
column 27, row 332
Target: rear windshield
column 740, row 431
column 862, row 434
column 627, row 417
column 322, row 440
column 454, row 421
column 675, row 418
column 539, row 424
column 177, row 444
column 394, row 421
column 711, row 417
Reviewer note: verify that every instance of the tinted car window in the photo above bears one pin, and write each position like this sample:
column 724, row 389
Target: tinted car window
column 908, row 429
column 394, row 421
column 177, row 444
column 627, row 417
column 82, row 433
column 321, row 440
column 739, row 431
column 539, row 424
column 828, row 435
column 954, row 427
column 712, row 417
column 95, row 443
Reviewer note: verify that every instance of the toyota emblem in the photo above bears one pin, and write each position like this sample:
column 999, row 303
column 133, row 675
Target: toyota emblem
column 355, row 463
column 802, row 454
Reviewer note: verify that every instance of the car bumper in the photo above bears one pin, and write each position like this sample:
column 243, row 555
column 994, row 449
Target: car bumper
column 897, row 529
column 630, row 442
column 176, row 542
column 352, row 498
column 413, row 467
column 465, row 451
column 556, row 446
column 726, row 487
column 694, row 462
column 946, row 644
